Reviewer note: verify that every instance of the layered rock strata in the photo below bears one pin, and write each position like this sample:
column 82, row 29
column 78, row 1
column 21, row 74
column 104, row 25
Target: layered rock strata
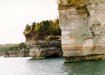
column 83, row 29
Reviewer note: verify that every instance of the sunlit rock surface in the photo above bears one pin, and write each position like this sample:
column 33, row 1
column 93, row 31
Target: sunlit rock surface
column 83, row 29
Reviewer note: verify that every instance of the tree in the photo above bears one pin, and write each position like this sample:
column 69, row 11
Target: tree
column 22, row 46
column 42, row 29
column 27, row 30
column 33, row 26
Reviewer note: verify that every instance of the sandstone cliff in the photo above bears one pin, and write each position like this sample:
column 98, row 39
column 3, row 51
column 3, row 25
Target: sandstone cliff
column 83, row 28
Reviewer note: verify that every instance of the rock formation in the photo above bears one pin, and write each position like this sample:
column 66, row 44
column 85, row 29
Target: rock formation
column 83, row 29
column 45, row 49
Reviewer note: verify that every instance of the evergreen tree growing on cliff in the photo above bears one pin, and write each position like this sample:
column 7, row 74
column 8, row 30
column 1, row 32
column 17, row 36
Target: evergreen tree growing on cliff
column 27, row 31
column 42, row 29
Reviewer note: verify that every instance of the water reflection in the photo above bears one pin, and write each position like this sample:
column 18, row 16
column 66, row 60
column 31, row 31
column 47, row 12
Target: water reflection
column 85, row 68
column 25, row 66
column 47, row 67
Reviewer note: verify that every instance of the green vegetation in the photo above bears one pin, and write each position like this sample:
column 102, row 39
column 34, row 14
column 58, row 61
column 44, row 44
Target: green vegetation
column 76, row 2
column 22, row 46
column 13, row 48
column 17, row 47
column 2, row 51
column 39, row 31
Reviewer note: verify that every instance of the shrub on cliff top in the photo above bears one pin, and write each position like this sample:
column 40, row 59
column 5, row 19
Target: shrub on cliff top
column 42, row 29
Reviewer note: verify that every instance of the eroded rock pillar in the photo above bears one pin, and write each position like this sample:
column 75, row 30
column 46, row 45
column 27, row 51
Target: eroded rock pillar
column 83, row 29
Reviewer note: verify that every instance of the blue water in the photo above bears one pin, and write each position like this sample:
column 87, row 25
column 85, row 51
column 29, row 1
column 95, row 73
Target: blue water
column 26, row 66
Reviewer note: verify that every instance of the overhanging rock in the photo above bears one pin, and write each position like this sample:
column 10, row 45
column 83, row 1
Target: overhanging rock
column 83, row 29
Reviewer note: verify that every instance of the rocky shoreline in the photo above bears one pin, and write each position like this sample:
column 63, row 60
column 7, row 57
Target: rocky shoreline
column 84, row 58
column 38, row 50
column 45, row 49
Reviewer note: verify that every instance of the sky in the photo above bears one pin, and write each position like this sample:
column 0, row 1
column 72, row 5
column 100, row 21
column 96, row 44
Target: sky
column 15, row 14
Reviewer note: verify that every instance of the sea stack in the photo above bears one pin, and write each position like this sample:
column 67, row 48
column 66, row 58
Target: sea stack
column 83, row 29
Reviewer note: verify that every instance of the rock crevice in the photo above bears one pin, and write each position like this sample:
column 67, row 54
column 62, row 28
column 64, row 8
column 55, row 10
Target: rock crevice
column 83, row 27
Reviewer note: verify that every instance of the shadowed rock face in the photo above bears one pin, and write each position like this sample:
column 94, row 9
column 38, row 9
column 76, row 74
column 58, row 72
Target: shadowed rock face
column 83, row 27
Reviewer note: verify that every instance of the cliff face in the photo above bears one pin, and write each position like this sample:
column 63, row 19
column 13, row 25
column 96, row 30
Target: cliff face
column 83, row 27
column 41, row 31
column 45, row 49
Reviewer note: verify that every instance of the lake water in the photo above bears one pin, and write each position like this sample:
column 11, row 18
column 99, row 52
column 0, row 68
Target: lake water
column 26, row 66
